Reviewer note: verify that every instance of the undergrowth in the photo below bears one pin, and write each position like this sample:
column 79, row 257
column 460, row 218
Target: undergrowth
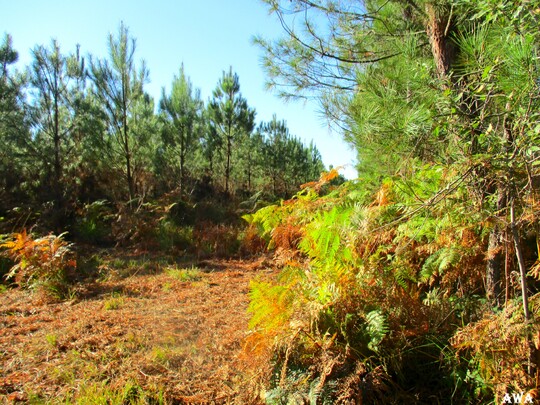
column 380, row 296
column 43, row 263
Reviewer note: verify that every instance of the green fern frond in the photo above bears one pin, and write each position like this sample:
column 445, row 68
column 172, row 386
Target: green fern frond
column 440, row 261
column 270, row 306
column 377, row 328
column 324, row 235
column 404, row 275
column 265, row 219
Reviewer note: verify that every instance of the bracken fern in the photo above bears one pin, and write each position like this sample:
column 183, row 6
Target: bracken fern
column 44, row 261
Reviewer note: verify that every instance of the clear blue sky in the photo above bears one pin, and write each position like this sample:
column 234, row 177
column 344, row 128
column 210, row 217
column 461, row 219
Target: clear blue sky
column 207, row 36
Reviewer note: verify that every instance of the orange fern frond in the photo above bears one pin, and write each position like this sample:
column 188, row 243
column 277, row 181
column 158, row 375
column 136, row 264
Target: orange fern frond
column 21, row 240
column 326, row 177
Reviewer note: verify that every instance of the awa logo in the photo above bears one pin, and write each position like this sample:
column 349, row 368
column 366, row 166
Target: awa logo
column 517, row 398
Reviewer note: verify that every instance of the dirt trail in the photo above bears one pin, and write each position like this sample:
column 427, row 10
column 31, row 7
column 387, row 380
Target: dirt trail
column 152, row 332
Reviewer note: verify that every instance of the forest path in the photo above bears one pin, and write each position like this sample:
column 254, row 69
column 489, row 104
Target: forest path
column 174, row 334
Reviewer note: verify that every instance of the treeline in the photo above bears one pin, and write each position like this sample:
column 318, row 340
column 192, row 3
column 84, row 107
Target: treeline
column 77, row 129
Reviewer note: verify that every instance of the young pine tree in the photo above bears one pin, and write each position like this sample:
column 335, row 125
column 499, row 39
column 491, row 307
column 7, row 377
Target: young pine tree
column 14, row 133
column 230, row 118
column 54, row 79
column 118, row 86
column 183, row 112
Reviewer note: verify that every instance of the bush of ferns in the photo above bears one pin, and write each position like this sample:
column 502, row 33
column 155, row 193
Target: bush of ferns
column 379, row 297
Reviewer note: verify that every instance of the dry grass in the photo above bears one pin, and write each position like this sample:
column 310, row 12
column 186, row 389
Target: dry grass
column 150, row 338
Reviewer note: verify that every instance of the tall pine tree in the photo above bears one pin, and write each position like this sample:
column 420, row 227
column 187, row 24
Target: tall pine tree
column 230, row 118
column 183, row 110
column 119, row 86
column 53, row 78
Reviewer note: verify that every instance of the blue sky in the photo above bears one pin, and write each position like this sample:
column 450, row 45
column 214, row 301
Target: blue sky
column 207, row 36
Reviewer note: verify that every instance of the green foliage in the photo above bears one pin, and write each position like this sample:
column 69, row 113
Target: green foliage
column 270, row 306
column 94, row 223
column 493, row 348
column 440, row 261
column 325, row 233
column 77, row 132
column 55, row 113
column 377, row 328
column 230, row 119
column 172, row 237
column 116, row 301
column 182, row 110
column 265, row 220
column 5, row 262
column 439, row 99
column 130, row 393
column 287, row 162
column 299, row 388
column 367, row 275
column 185, row 274
column 118, row 85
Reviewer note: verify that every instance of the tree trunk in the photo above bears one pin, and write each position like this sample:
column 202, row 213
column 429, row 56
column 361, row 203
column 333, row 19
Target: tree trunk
column 228, row 167
column 249, row 174
column 129, row 170
column 182, row 163
column 439, row 28
column 494, row 267
column 127, row 149
column 533, row 352
column 56, row 137
column 496, row 257
column 59, row 203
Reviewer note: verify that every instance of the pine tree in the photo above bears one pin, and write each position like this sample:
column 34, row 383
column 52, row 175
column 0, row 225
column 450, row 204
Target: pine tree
column 230, row 118
column 53, row 79
column 250, row 157
column 183, row 110
column 288, row 163
column 421, row 82
column 14, row 133
column 118, row 86
column 276, row 136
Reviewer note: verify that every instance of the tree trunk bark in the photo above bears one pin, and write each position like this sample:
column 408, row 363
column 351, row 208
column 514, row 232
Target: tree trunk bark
column 129, row 172
column 439, row 27
column 496, row 257
column 494, row 267
column 56, row 136
column 182, row 162
column 127, row 149
column 228, row 167
column 533, row 352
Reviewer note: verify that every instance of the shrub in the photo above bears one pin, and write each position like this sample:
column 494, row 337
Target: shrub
column 251, row 243
column 94, row 223
column 136, row 226
column 5, row 262
column 181, row 213
column 173, row 237
column 219, row 240
column 45, row 261
column 368, row 282
column 498, row 348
